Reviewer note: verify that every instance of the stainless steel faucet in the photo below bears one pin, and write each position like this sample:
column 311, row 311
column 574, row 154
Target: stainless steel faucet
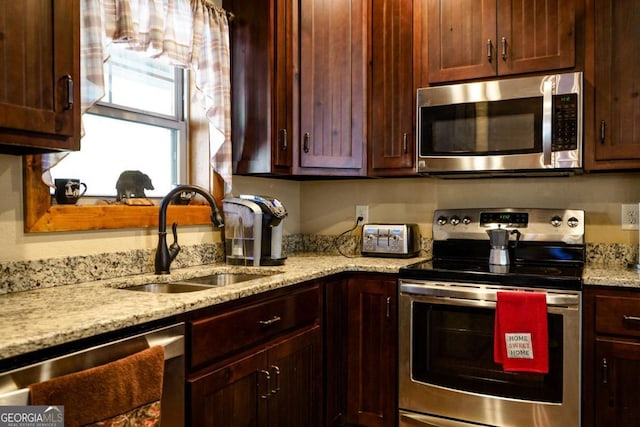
column 165, row 255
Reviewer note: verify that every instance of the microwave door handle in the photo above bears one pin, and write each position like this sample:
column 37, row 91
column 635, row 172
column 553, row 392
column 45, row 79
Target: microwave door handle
column 547, row 107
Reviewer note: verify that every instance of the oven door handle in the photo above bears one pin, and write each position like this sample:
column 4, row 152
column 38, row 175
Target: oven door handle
column 412, row 419
column 484, row 296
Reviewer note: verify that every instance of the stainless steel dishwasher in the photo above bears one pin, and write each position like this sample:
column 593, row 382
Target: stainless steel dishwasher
column 14, row 384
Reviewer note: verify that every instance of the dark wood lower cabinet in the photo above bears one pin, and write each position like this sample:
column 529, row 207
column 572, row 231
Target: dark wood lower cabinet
column 617, row 401
column 611, row 358
column 279, row 386
column 257, row 362
column 372, row 350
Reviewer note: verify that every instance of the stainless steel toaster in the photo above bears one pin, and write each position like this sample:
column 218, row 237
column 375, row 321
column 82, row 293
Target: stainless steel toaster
column 390, row 240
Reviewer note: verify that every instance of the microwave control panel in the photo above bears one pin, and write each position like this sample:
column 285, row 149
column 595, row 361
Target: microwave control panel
column 565, row 122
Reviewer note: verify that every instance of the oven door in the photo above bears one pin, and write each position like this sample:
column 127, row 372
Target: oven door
column 446, row 359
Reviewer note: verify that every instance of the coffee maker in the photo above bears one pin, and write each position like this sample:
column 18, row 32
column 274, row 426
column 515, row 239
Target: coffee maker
column 253, row 230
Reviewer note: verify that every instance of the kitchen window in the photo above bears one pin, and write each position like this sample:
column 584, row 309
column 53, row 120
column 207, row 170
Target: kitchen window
column 140, row 124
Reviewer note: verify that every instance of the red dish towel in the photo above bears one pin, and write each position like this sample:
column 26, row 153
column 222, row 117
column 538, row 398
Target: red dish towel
column 521, row 341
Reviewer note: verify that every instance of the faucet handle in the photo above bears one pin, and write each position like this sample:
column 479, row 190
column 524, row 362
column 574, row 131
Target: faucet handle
column 174, row 248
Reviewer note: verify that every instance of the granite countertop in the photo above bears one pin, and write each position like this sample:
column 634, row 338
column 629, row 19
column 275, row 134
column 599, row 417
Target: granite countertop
column 41, row 318
column 615, row 276
column 37, row 319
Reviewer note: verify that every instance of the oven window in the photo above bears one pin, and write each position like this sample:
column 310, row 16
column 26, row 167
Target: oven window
column 453, row 347
column 495, row 127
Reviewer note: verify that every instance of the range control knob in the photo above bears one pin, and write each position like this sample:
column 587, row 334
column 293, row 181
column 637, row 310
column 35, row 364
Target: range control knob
column 556, row 221
column 466, row 220
column 442, row 220
column 573, row 222
column 455, row 220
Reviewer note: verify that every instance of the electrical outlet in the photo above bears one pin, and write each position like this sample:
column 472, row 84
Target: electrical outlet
column 362, row 211
column 629, row 216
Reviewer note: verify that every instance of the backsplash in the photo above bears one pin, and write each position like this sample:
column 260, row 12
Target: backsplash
column 44, row 273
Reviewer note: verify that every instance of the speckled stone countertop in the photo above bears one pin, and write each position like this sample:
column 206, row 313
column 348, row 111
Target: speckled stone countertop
column 617, row 276
column 41, row 318
column 46, row 303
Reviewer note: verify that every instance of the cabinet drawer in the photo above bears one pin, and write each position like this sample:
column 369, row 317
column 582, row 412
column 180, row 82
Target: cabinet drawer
column 215, row 337
column 618, row 315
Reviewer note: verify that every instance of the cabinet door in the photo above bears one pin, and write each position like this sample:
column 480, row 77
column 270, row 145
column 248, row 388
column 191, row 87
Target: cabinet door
column 335, row 350
column 283, row 100
column 39, row 45
column 261, row 100
column 296, row 380
column 391, row 141
column 535, row 35
column 333, row 80
column 462, row 39
column 232, row 396
column 617, row 104
column 372, row 366
column 616, row 389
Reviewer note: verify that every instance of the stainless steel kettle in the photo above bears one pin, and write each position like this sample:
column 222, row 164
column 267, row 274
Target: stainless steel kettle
column 499, row 241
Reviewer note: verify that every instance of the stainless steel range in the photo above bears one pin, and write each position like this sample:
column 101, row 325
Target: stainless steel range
column 448, row 376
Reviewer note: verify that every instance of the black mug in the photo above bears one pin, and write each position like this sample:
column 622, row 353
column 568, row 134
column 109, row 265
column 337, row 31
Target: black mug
column 68, row 190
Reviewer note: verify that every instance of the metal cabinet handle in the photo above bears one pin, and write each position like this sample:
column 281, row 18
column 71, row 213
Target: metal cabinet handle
column 504, row 48
column 269, row 322
column 631, row 321
column 603, row 129
column 276, row 370
column 405, row 145
column 388, row 308
column 285, row 145
column 605, row 371
column 267, row 376
column 69, row 103
column 307, row 141
column 489, row 50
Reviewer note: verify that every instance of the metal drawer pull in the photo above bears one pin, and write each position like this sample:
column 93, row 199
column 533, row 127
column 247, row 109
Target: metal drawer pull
column 489, row 50
column 267, row 375
column 272, row 321
column 277, row 381
column 633, row 321
column 69, row 80
column 285, row 144
column 405, row 145
column 605, row 371
column 603, row 129
column 307, row 139
column 388, row 307
column 504, row 48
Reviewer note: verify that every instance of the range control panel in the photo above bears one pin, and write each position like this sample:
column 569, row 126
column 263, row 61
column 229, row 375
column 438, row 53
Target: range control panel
column 535, row 224
column 393, row 240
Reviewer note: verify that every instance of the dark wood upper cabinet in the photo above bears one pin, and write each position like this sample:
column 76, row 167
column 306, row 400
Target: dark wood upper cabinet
column 262, row 36
column 40, row 75
column 391, row 141
column 471, row 39
column 333, row 88
column 612, row 134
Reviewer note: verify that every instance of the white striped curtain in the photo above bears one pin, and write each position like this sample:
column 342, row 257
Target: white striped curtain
column 188, row 33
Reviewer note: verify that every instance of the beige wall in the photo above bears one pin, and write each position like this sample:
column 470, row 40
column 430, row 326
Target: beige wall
column 328, row 207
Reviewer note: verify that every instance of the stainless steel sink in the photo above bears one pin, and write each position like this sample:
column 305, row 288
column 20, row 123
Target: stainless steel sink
column 196, row 283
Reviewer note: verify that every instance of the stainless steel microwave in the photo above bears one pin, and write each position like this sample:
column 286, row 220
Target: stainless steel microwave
column 517, row 125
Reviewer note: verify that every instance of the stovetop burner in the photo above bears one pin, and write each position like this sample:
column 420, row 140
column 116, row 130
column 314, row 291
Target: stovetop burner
column 537, row 276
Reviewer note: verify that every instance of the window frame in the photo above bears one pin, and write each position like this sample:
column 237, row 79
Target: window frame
column 41, row 215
